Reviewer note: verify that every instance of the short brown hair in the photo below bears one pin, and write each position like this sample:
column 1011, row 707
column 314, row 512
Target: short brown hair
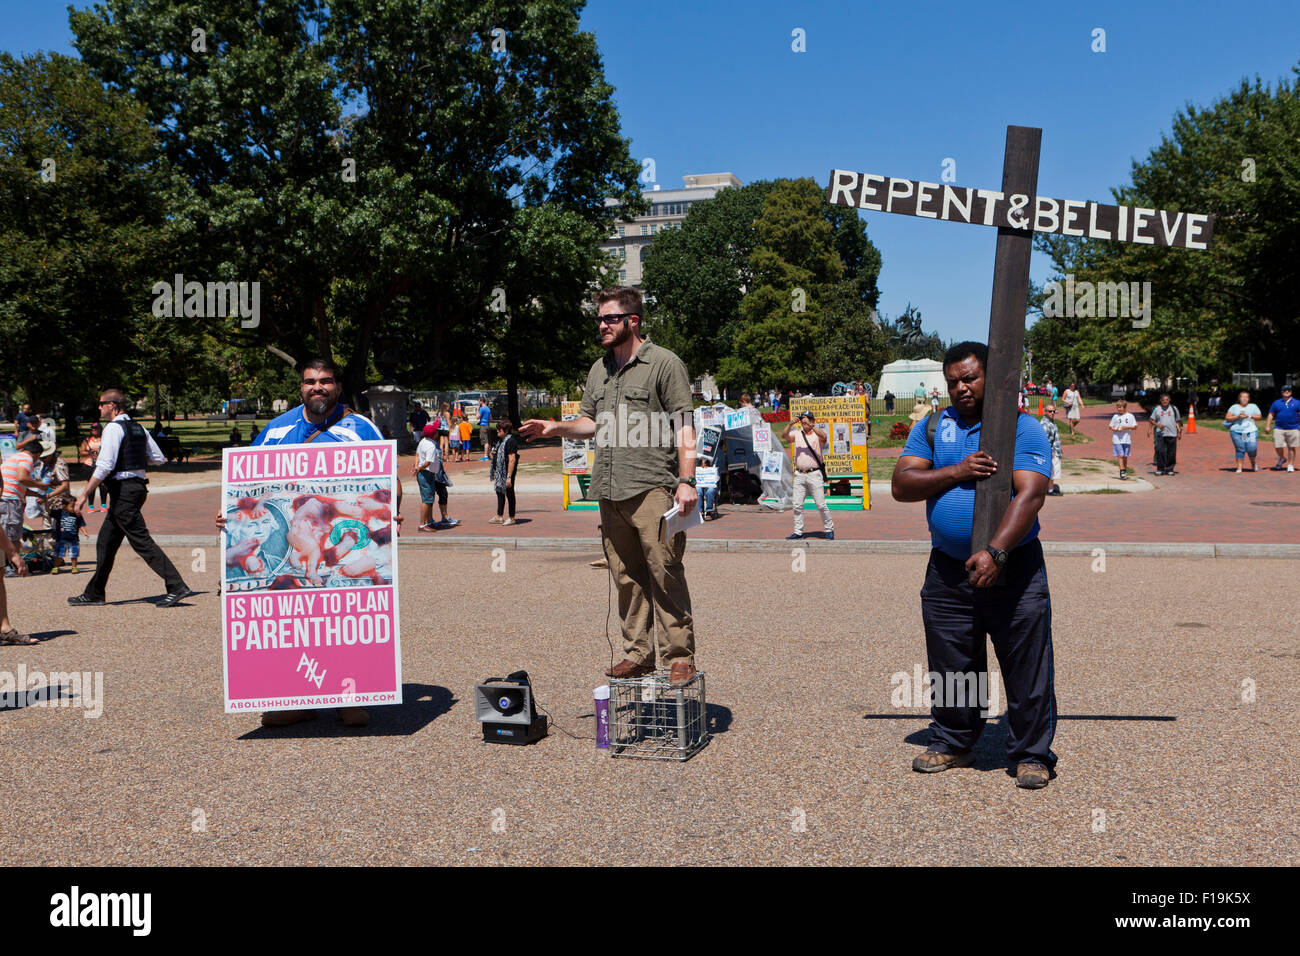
column 114, row 395
column 628, row 298
column 505, row 425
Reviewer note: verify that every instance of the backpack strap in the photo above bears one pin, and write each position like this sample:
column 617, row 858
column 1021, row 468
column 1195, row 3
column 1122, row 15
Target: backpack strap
column 327, row 425
column 931, row 426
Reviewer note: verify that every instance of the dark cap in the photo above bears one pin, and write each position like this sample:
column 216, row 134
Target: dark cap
column 1286, row 388
column 808, row 415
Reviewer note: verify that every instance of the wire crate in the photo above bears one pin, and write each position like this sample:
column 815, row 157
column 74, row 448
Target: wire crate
column 654, row 719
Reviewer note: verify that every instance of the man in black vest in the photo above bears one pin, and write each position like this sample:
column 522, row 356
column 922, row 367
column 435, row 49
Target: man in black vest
column 124, row 454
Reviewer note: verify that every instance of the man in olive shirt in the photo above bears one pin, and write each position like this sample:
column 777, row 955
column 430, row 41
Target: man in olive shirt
column 637, row 405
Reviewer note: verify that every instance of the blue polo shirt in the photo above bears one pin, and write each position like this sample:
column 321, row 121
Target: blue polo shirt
column 1286, row 413
column 484, row 416
column 292, row 428
column 951, row 515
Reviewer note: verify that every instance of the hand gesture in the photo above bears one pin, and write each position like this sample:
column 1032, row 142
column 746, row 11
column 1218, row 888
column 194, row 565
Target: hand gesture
column 537, row 428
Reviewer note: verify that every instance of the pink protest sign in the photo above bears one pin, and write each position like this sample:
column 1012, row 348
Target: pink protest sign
column 309, row 576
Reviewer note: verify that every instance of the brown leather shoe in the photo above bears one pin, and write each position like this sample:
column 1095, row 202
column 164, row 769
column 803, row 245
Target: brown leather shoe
column 1032, row 776
column 285, row 718
column 628, row 669
column 934, row 762
column 681, row 672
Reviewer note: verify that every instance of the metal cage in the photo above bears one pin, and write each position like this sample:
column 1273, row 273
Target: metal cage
column 654, row 719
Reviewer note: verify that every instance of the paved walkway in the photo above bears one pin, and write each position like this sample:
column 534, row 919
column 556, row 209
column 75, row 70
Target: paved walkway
column 1205, row 502
column 809, row 764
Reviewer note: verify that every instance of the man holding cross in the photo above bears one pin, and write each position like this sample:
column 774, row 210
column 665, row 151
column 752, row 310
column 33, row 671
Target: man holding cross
column 1000, row 591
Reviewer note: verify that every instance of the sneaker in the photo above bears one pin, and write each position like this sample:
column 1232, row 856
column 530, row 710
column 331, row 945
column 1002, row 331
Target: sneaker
column 508, row 521
column 1290, row 468
column 495, row 519
column 1123, row 475
column 82, row 600
column 1239, row 469
column 934, row 762
column 1032, row 776
column 797, row 536
column 448, row 523
column 830, row 535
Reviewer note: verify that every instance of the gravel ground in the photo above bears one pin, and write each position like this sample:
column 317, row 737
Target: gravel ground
column 809, row 763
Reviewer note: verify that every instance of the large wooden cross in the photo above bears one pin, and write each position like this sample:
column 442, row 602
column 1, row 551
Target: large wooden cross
column 1017, row 212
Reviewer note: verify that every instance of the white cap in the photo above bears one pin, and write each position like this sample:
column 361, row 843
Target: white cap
column 601, row 692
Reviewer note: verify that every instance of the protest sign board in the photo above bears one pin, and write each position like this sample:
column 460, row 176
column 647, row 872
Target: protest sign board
column 309, row 576
column 577, row 453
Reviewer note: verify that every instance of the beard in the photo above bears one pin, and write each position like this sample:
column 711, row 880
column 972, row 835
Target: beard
column 319, row 405
column 624, row 334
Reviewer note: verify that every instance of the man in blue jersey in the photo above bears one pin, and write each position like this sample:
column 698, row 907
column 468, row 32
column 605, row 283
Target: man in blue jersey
column 1000, row 591
column 320, row 417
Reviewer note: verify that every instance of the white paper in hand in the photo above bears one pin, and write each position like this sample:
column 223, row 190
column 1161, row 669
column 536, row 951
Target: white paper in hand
column 673, row 522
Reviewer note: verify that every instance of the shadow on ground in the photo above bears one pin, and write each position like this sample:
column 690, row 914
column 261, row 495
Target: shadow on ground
column 421, row 705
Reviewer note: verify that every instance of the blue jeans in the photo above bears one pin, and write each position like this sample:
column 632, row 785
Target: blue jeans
column 709, row 500
column 1245, row 444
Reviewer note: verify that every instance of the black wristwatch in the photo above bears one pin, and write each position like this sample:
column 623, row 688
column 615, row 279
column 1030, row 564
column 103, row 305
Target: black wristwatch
column 689, row 481
column 999, row 556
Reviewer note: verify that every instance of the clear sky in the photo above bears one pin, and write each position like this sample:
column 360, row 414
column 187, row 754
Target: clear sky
column 896, row 89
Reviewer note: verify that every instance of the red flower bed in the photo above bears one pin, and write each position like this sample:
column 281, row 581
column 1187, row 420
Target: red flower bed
column 781, row 416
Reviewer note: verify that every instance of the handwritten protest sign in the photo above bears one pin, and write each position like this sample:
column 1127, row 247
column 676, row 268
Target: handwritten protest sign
column 309, row 576
column 848, row 451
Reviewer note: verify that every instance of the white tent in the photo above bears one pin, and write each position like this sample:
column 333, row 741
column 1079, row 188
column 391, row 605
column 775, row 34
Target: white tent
column 903, row 377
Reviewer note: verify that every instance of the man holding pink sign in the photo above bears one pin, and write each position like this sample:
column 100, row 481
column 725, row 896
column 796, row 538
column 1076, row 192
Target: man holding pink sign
column 310, row 573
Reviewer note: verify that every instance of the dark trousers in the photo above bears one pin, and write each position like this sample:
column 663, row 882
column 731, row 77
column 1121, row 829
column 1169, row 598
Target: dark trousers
column 502, row 498
column 1166, row 452
column 1017, row 614
column 125, row 521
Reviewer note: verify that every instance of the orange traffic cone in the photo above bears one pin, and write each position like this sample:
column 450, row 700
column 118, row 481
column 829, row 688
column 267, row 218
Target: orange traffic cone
column 1191, row 420
column 1040, row 406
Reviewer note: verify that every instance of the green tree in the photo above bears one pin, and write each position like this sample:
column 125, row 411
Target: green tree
column 82, row 223
column 1237, row 159
column 450, row 136
column 744, row 243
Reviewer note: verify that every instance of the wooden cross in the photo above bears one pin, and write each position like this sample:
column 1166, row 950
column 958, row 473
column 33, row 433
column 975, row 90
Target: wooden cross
column 1017, row 212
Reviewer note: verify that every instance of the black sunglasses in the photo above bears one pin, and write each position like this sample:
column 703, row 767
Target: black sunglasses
column 614, row 317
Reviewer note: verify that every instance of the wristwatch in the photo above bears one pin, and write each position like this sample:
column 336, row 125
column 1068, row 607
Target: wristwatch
column 689, row 481
column 999, row 556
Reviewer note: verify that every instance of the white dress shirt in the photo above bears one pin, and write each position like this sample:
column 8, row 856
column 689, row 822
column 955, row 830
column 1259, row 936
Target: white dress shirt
column 111, row 442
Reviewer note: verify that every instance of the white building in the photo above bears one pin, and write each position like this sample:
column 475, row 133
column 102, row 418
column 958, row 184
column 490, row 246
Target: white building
column 668, row 208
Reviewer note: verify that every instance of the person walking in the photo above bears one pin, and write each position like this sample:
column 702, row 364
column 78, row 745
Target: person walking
column 320, row 417
column 126, row 452
column 15, row 566
column 1122, row 427
column 505, row 463
column 484, row 428
column 1166, row 429
column 637, row 480
column 809, row 442
column 86, row 455
column 889, row 402
column 1073, row 403
column 1000, row 592
column 1054, row 439
column 431, row 476
column 1284, row 423
column 1242, row 429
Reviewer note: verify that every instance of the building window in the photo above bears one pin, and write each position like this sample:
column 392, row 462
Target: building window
column 621, row 230
column 622, row 276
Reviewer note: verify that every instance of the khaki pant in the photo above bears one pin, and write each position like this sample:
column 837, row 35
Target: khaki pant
column 644, row 568
column 810, row 483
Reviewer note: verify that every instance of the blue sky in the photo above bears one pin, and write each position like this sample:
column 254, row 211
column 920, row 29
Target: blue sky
column 895, row 89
